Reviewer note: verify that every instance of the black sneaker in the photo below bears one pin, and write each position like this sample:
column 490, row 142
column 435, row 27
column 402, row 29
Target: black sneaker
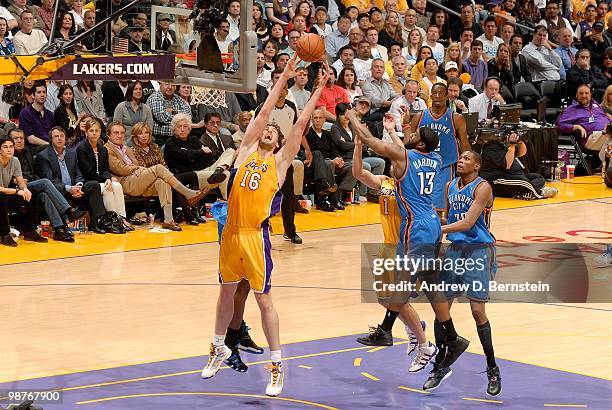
column 437, row 376
column 235, row 361
column 8, row 240
column 294, row 238
column 494, row 387
column 246, row 343
column 377, row 337
column 217, row 176
column 454, row 349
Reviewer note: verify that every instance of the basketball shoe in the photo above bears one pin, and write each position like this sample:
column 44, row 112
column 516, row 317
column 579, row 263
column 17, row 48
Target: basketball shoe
column 277, row 377
column 454, row 349
column 424, row 355
column 437, row 376
column 605, row 258
column 245, row 342
column 412, row 343
column 235, row 361
column 494, row 387
column 377, row 337
column 217, row 355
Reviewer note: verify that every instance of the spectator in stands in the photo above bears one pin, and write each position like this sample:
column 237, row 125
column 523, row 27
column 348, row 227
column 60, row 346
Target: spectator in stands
column 376, row 50
column 94, row 40
column 65, row 26
column 431, row 40
column 584, row 115
column 583, row 73
column 528, row 13
column 53, row 100
column 242, row 120
column 363, row 63
column 77, row 11
column 501, row 67
column 164, row 37
column 378, row 91
column 507, row 31
column 133, row 110
column 227, row 113
column 93, row 162
column 453, row 55
column 457, row 102
column 394, row 51
column 465, row 43
column 331, row 96
column 79, row 133
column 347, row 56
column 233, row 18
column 475, row 66
column 320, row 25
column 218, row 142
column 422, row 16
column 136, row 45
column 566, row 50
column 45, row 11
column 164, row 106
column 13, row 199
column 483, row 103
column 596, row 44
column 410, row 23
column 520, row 68
column 277, row 36
column 542, row 61
column 348, row 80
column 409, row 101
column 554, row 22
column 137, row 180
column 186, row 153
column 413, row 45
column 392, row 31
column 35, row 120
column 264, row 74
column 6, row 44
column 467, row 21
column 89, row 99
column 338, row 38
column 65, row 115
column 28, row 40
column 439, row 18
column 451, row 70
column 19, row 6
column 356, row 36
column 56, row 207
column 59, row 165
column 278, row 11
column 298, row 90
column 606, row 102
column 398, row 79
column 418, row 70
column 585, row 25
column 489, row 40
column 430, row 78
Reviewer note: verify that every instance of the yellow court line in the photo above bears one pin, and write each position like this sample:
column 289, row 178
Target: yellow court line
column 582, row 406
column 305, row 367
column 357, row 362
column 413, row 390
column 131, row 396
column 369, row 376
column 483, row 400
column 376, row 349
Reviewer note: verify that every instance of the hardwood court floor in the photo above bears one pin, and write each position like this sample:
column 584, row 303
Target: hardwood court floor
column 63, row 314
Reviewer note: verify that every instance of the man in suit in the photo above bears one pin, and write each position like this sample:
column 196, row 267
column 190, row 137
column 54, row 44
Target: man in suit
column 136, row 44
column 212, row 137
column 519, row 63
column 59, row 166
column 54, row 204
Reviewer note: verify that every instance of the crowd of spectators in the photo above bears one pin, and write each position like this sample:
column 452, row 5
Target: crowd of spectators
column 97, row 143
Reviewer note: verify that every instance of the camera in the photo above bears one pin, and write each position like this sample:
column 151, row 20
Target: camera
column 207, row 16
column 501, row 134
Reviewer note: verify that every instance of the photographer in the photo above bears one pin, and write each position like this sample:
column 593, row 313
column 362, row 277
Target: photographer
column 501, row 166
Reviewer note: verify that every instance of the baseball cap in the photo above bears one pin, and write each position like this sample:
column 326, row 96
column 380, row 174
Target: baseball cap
column 364, row 99
column 451, row 65
column 164, row 16
column 598, row 26
column 493, row 2
column 321, row 8
column 375, row 9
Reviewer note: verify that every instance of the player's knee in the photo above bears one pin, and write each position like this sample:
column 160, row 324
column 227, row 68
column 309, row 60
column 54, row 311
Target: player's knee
column 243, row 289
column 264, row 301
column 479, row 315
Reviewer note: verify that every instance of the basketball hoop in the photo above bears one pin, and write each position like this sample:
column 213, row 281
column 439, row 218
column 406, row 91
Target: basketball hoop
column 208, row 96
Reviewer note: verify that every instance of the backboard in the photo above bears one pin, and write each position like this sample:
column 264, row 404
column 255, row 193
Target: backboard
column 201, row 62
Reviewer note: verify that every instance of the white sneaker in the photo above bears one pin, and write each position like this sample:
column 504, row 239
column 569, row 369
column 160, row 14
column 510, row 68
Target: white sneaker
column 549, row 192
column 605, row 258
column 412, row 344
column 217, row 355
column 423, row 357
column 277, row 377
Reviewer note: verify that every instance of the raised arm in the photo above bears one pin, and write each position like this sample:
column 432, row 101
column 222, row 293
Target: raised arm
column 288, row 152
column 371, row 180
column 253, row 131
column 391, row 151
column 482, row 198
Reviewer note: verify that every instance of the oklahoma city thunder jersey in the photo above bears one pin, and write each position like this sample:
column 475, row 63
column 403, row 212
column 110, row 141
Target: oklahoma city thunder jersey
column 390, row 218
column 253, row 192
column 415, row 188
column 444, row 126
column 459, row 202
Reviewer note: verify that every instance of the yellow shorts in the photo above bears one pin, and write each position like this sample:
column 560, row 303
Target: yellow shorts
column 245, row 254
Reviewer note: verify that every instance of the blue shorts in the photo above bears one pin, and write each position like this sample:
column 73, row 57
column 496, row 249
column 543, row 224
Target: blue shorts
column 475, row 276
column 444, row 176
column 420, row 237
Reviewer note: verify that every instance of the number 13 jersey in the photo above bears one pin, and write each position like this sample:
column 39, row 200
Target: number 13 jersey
column 254, row 194
column 415, row 187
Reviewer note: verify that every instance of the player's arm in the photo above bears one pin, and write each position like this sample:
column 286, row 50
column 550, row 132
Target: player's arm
column 389, row 125
column 391, row 151
column 462, row 132
column 253, row 131
column 414, row 124
column 365, row 176
column 444, row 217
column 482, row 198
column 287, row 153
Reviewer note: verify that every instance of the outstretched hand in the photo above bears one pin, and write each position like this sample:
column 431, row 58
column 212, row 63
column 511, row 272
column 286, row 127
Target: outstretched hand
column 323, row 76
column 388, row 122
column 292, row 66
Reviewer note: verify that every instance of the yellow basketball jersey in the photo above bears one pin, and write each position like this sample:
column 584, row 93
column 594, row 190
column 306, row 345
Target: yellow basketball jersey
column 389, row 212
column 253, row 189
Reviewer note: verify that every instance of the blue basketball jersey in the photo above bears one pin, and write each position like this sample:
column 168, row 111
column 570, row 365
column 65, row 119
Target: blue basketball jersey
column 444, row 126
column 459, row 202
column 414, row 190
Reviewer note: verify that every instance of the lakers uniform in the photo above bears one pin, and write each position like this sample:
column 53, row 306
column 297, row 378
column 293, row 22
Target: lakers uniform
column 448, row 150
column 420, row 229
column 390, row 218
column 245, row 245
column 476, row 244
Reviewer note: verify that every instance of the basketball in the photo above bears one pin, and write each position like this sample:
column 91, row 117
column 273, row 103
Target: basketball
column 311, row 47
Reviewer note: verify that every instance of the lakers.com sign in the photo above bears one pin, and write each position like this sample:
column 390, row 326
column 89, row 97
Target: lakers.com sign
column 142, row 67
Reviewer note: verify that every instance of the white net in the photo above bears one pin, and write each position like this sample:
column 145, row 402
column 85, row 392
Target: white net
column 208, row 96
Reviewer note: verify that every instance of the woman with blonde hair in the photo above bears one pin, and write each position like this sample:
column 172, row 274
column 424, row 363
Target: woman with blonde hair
column 501, row 66
column 392, row 31
column 411, row 51
column 606, row 102
column 453, row 53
